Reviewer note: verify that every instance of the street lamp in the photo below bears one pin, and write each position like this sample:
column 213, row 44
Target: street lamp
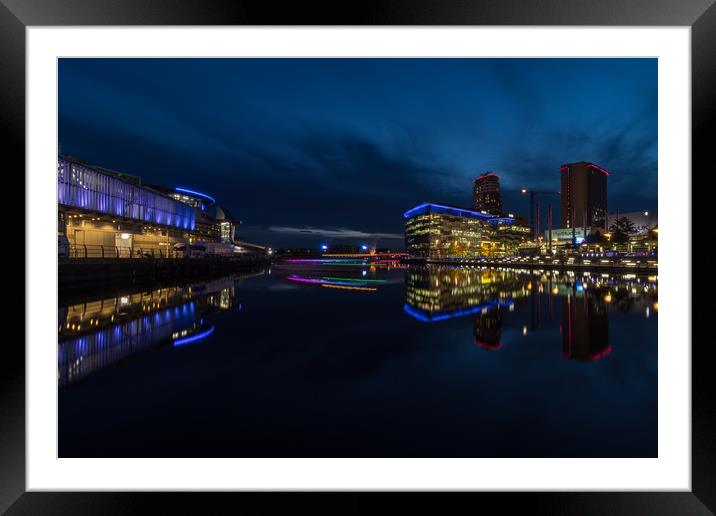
column 532, row 206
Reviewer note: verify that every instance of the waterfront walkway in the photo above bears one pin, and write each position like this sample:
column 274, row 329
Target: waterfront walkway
column 634, row 265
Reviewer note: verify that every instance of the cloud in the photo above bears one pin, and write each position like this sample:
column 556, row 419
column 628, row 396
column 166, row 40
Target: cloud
column 335, row 233
column 311, row 152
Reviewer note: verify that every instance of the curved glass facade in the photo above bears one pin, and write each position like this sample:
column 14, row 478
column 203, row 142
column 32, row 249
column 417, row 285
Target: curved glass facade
column 434, row 231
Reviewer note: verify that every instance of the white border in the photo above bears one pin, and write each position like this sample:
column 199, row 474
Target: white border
column 670, row 471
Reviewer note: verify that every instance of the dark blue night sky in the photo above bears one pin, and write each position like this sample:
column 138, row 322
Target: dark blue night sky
column 307, row 151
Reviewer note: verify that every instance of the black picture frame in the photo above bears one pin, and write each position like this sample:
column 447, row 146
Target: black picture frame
column 700, row 15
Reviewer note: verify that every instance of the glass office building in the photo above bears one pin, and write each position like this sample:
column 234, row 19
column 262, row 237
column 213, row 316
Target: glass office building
column 434, row 231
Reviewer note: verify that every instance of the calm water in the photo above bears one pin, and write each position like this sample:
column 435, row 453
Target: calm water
column 311, row 360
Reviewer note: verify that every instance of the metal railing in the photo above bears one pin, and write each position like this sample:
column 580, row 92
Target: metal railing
column 104, row 251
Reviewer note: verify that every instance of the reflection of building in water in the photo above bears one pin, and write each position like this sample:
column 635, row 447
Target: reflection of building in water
column 488, row 329
column 80, row 356
column 435, row 293
column 585, row 328
column 99, row 333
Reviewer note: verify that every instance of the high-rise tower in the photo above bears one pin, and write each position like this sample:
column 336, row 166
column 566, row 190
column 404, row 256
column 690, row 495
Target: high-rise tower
column 584, row 194
column 486, row 194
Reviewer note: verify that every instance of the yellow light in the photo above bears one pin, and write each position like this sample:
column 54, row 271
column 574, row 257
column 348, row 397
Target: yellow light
column 608, row 297
column 524, row 330
column 348, row 288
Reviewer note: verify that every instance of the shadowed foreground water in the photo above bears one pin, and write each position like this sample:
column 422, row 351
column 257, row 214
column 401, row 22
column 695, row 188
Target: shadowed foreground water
column 311, row 359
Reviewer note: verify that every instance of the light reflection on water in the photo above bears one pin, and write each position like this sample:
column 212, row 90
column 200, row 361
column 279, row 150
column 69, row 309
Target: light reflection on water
column 96, row 334
column 354, row 354
column 439, row 293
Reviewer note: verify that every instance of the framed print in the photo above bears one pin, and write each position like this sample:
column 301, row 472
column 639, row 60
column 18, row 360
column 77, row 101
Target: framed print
column 402, row 249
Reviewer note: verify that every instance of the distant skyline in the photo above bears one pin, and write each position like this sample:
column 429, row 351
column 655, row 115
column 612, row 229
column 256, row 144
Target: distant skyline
column 307, row 151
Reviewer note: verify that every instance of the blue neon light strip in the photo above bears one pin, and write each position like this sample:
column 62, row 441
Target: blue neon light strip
column 457, row 313
column 449, row 210
column 194, row 338
column 199, row 194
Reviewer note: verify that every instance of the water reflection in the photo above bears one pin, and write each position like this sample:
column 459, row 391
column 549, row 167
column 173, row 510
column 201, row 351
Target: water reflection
column 585, row 326
column 436, row 293
column 102, row 332
column 488, row 329
column 486, row 363
column 340, row 274
column 96, row 334
column 439, row 293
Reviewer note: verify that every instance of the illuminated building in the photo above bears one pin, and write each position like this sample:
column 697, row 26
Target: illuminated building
column 509, row 234
column 99, row 208
column 108, row 214
column 227, row 224
column 206, row 227
column 486, row 194
column 435, row 231
column 111, row 193
column 583, row 193
column 192, row 198
column 564, row 236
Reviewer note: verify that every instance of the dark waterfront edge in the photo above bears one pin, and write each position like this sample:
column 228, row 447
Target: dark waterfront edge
column 78, row 278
